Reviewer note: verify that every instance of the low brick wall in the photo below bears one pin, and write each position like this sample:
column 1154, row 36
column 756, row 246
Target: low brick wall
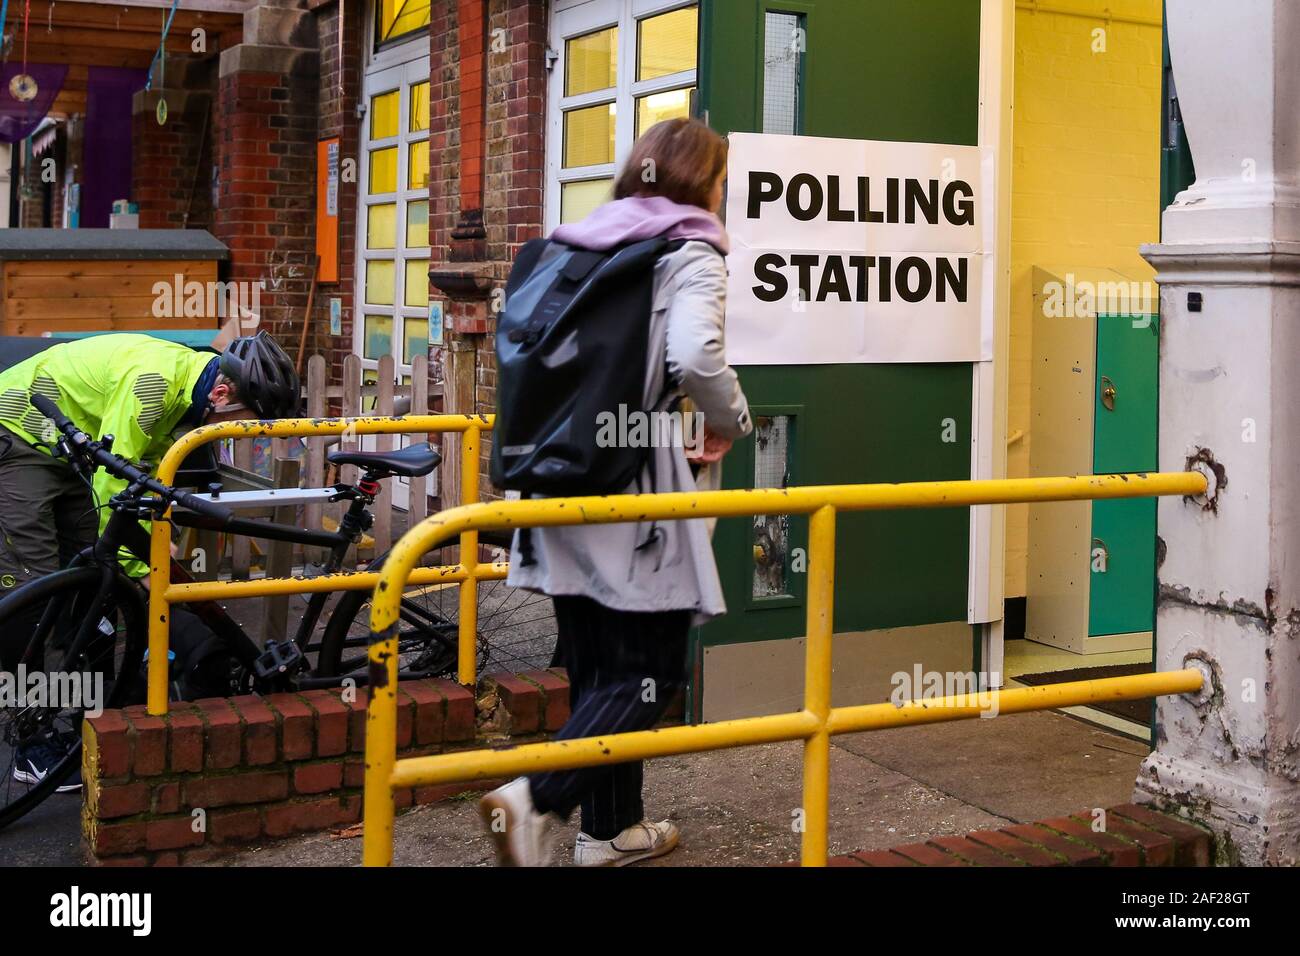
column 1128, row 835
column 218, row 773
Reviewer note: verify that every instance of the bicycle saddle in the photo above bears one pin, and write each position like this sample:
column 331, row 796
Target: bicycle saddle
column 412, row 461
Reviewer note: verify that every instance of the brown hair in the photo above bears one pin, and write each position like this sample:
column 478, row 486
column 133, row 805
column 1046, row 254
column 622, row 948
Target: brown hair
column 679, row 159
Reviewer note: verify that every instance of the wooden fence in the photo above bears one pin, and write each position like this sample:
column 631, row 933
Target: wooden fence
column 289, row 463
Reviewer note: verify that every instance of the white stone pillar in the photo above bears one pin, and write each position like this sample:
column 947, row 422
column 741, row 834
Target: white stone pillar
column 1229, row 563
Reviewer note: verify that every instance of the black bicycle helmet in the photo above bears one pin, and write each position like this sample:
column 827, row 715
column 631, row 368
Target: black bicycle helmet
column 263, row 375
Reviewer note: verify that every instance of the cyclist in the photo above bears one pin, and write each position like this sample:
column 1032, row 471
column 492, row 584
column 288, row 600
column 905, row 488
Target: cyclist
column 137, row 388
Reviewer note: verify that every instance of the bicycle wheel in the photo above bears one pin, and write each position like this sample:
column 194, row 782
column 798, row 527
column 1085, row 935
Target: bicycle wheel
column 516, row 631
column 55, row 684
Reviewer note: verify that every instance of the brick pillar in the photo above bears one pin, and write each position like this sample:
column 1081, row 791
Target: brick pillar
column 266, row 146
column 171, row 174
column 486, row 200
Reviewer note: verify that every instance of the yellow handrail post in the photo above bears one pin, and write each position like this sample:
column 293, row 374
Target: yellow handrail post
column 466, row 665
column 817, row 684
column 160, row 575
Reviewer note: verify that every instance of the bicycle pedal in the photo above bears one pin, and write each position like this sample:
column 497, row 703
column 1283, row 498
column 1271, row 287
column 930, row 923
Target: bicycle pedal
column 278, row 658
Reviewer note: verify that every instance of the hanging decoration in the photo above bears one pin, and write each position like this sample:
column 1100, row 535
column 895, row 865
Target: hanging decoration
column 23, row 86
column 161, row 111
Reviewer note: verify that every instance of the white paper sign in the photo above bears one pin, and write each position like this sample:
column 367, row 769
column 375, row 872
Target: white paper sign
column 858, row 251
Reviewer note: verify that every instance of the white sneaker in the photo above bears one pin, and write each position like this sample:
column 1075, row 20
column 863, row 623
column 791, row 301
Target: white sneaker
column 642, row 841
column 522, row 835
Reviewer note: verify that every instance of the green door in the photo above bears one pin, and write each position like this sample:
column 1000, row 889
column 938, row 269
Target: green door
column 1122, row 598
column 869, row 69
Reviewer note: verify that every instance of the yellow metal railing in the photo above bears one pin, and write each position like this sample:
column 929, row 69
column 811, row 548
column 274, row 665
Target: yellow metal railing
column 814, row 725
column 163, row 593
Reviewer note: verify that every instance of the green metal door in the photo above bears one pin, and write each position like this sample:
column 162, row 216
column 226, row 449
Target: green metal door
column 1122, row 597
column 871, row 69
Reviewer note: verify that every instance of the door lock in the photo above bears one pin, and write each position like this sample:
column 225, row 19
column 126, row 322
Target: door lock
column 1107, row 393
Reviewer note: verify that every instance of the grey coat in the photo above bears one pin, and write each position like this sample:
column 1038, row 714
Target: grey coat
column 675, row 570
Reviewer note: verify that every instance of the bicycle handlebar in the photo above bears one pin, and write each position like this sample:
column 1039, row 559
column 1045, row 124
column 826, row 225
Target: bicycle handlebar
column 94, row 452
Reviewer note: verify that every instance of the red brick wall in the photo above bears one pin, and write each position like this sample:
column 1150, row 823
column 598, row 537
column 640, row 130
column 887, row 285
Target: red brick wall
column 266, row 136
column 171, row 169
column 337, row 116
column 214, row 774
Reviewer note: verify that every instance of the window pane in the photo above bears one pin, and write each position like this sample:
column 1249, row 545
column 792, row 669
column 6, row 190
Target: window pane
column 417, row 166
column 383, row 115
column 415, row 339
column 383, row 170
column 771, row 533
column 578, row 199
column 417, row 225
column 381, row 226
column 783, row 43
column 379, row 281
column 657, row 107
column 379, row 336
column 417, row 283
column 419, row 106
column 666, row 43
column 589, row 136
column 397, row 17
column 591, row 62
column 370, row 376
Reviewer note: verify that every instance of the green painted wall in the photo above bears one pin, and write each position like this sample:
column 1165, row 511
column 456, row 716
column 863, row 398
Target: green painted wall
column 873, row 69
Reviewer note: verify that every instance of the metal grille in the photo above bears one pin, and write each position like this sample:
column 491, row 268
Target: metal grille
column 783, row 48
column 771, row 533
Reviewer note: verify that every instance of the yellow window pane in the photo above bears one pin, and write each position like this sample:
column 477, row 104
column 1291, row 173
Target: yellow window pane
column 591, row 62
column 379, row 281
column 417, row 283
column 657, row 107
column 666, row 43
column 383, row 170
column 381, row 226
column 417, row 225
column 370, row 376
column 398, row 17
column 417, row 166
column 578, row 199
column 378, row 340
column 383, row 115
column 589, row 136
column 415, row 339
column 419, row 106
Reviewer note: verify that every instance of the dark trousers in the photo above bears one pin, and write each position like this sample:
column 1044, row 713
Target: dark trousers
column 47, row 515
column 624, row 668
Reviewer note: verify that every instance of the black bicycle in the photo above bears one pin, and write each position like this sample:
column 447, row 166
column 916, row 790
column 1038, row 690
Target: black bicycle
column 86, row 633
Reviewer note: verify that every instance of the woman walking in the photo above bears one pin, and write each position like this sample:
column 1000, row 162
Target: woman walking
column 626, row 595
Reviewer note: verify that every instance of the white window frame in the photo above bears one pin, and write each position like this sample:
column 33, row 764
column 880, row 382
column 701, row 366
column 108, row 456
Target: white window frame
column 573, row 18
column 397, row 67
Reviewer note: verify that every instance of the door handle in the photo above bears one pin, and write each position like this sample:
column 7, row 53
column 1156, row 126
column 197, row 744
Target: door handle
column 1107, row 393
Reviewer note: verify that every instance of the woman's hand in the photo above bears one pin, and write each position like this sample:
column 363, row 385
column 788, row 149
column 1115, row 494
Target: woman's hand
column 711, row 450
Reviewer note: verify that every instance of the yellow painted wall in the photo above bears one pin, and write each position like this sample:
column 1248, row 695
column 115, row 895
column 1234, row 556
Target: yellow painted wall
column 1086, row 174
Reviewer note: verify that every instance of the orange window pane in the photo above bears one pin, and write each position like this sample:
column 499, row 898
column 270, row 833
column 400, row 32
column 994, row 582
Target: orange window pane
column 591, row 62
column 381, row 226
column 417, row 224
column 417, row 283
column 383, row 115
column 379, row 281
column 667, row 43
column 383, row 170
column 417, row 166
column 589, row 136
column 419, row 106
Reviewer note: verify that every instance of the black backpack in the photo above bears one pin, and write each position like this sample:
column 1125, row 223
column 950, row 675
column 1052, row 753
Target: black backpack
column 571, row 346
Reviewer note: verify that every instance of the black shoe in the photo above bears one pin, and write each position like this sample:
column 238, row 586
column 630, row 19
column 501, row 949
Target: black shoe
column 35, row 760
